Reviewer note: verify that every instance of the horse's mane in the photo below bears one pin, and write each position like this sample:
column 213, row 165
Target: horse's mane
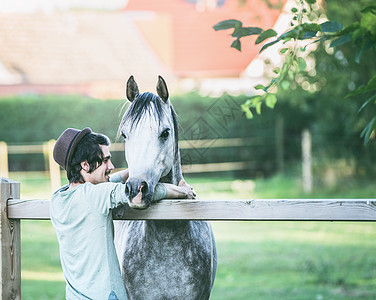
column 141, row 105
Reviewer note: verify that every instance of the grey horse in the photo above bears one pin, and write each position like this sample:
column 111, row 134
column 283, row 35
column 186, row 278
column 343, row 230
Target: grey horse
column 159, row 259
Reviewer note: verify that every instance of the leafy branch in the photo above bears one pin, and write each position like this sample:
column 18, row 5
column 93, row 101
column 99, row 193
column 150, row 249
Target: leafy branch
column 361, row 34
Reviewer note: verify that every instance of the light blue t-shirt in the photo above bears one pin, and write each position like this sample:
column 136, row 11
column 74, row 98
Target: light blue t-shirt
column 83, row 222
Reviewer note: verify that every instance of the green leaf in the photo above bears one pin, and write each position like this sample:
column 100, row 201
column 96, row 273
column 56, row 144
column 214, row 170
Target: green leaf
column 309, row 34
column 291, row 34
column 268, row 45
column 259, row 87
column 258, row 107
column 307, row 27
column 284, row 70
column 294, row 10
column 282, row 51
column 265, row 35
column 371, row 85
column 348, row 29
column 367, row 102
column 240, row 32
column 360, row 33
column 291, row 74
column 301, row 64
column 237, row 45
column 331, row 26
column 371, row 9
column 248, row 113
column 359, row 52
column 367, row 131
column 357, row 91
column 285, row 85
column 341, row 40
column 227, row 24
column 311, row 1
column 270, row 100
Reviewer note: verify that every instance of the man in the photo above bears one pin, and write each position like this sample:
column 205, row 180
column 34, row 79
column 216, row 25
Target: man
column 81, row 214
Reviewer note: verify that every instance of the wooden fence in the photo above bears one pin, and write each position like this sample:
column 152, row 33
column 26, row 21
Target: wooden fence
column 55, row 173
column 14, row 209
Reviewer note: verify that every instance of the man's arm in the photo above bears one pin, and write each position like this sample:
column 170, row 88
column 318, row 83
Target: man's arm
column 124, row 175
column 171, row 191
column 183, row 190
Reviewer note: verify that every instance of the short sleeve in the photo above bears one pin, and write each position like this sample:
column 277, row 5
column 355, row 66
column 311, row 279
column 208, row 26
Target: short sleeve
column 160, row 192
column 106, row 196
column 116, row 177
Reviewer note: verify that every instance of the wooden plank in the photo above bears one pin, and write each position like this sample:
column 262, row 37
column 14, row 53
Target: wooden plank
column 214, row 167
column 55, row 174
column 227, row 210
column 4, row 168
column 307, row 161
column 38, row 209
column 217, row 167
column 10, row 248
column 263, row 210
column 25, row 149
column 208, row 143
column 219, row 143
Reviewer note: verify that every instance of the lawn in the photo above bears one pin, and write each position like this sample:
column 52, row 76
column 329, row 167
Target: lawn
column 257, row 260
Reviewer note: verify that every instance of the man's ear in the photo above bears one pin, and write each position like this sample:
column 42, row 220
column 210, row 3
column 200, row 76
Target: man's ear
column 85, row 166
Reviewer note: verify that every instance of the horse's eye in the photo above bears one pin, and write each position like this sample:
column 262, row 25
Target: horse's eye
column 165, row 133
column 123, row 135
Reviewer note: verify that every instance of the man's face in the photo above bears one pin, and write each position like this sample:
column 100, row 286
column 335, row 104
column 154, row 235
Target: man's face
column 101, row 174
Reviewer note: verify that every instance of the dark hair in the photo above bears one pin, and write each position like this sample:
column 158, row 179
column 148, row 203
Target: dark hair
column 87, row 149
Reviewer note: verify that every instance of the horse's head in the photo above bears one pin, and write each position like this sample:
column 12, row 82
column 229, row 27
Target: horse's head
column 149, row 129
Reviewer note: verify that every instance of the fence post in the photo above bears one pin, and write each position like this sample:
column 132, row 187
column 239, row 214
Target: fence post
column 55, row 176
column 307, row 161
column 3, row 160
column 279, row 143
column 10, row 239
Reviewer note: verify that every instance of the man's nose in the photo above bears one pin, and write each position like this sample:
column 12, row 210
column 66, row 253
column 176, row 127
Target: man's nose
column 110, row 165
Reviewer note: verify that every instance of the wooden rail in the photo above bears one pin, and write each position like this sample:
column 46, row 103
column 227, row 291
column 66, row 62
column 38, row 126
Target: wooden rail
column 10, row 243
column 55, row 173
column 14, row 209
column 225, row 210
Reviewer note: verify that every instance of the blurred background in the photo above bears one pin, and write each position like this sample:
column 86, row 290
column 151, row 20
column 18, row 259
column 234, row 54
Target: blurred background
column 65, row 64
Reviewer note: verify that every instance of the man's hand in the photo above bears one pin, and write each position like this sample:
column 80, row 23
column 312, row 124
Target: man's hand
column 191, row 194
column 181, row 191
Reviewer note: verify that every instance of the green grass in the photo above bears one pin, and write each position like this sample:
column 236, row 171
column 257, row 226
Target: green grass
column 295, row 260
column 257, row 260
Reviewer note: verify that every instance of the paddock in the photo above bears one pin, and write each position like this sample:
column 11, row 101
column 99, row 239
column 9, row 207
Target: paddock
column 14, row 209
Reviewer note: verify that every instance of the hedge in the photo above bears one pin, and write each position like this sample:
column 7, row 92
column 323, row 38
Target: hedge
column 32, row 119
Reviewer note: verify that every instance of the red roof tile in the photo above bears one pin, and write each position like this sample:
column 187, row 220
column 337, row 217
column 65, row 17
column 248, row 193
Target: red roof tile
column 185, row 40
column 76, row 48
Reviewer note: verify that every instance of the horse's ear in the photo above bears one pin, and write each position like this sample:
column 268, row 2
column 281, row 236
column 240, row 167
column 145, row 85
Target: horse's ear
column 162, row 89
column 132, row 89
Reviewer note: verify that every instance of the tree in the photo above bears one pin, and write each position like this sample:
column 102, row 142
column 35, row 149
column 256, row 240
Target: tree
column 354, row 47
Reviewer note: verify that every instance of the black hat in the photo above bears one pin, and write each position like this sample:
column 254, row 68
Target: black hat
column 66, row 145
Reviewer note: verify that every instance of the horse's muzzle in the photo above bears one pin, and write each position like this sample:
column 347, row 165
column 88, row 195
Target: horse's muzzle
column 139, row 193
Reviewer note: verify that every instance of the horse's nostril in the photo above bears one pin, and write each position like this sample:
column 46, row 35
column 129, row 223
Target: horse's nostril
column 144, row 187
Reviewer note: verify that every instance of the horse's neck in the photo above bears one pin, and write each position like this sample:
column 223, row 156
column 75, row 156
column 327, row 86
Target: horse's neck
column 175, row 174
column 160, row 227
